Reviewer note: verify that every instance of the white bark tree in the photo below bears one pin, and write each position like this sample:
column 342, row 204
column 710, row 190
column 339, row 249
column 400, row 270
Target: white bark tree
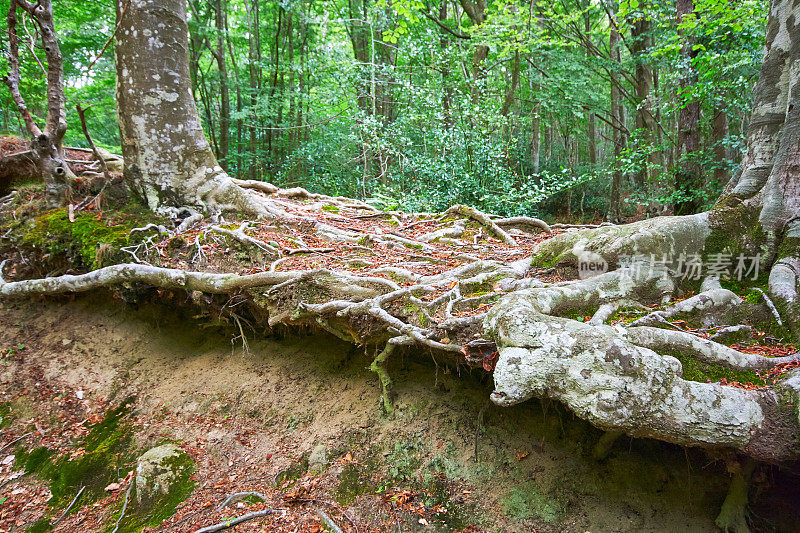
column 633, row 379
column 168, row 161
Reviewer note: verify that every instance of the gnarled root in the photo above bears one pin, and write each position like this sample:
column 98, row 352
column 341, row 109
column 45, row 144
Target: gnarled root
column 714, row 306
column 783, row 282
column 732, row 516
column 484, row 220
column 612, row 377
column 604, row 444
column 379, row 367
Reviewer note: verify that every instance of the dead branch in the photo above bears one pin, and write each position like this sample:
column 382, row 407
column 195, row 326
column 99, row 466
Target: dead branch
column 484, row 220
column 75, row 499
column 103, row 167
column 221, row 526
column 124, row 506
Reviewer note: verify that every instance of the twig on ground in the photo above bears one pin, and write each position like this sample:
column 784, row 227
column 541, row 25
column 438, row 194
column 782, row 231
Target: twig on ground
column 327, row 520
column 75, row 499
column 26, row 434
column 124, row 506
column 240, row 519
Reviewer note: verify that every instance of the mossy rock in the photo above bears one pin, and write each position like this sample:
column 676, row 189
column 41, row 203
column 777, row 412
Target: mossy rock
column 163, row 480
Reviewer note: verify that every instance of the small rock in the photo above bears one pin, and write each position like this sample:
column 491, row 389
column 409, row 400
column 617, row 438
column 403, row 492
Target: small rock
column 79, row 394
column 8, row 460
column 318, row 459
column 158, row 469
column 112, row 487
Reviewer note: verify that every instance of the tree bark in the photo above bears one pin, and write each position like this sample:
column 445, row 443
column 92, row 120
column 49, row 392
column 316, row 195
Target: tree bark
column 476, row 11
column 220, row 19
column 719, row 134
column 645, row 120
column 168, row 161
column 617, row 125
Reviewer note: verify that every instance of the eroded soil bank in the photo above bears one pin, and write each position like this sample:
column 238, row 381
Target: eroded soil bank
column 298, row 419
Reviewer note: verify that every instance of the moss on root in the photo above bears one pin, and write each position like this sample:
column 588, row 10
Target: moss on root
column 694, row 370
column 93, row 239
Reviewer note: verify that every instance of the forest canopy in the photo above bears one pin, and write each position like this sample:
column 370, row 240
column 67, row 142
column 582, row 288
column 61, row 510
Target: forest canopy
column 534, row 108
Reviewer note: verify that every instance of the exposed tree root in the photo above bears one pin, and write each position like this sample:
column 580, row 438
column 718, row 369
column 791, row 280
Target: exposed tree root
column 732, row 516
column 483, row 219
column 526, row 224
column 604, row 444
column 379, row 367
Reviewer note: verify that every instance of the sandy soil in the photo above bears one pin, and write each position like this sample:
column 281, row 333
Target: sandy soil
column 250, row 420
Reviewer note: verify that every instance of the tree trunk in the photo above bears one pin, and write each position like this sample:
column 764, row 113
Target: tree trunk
column 617, row 125
column 221, row 8
column 168, row 161
column 47, row 143
column 251, row 7
column 645, row 120
column 719, row 134
column 688, row 175
column 536, row 137
column 476, row 11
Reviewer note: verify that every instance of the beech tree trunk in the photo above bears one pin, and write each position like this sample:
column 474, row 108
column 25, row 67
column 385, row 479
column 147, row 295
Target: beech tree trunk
column 168, row 161
column 617, row 125
column 645, row 120
column 220, row 17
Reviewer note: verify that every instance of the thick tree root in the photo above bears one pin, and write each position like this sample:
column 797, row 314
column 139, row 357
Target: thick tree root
column 604, row 444
column 733, row 514
column 483, row 219
column 612, row 377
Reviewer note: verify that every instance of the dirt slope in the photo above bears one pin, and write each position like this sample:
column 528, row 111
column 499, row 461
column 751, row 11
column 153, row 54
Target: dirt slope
column 251, row 420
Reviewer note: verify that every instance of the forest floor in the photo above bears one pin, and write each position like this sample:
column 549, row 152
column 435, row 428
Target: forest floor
column 298, row 416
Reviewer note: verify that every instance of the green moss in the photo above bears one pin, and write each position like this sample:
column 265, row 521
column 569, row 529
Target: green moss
column 52, row 231
column 5, row 414
column 734, row 230
column 152, row 512
column 353, row 482
column 528, row 501
column 40, row 526
column 412, row 310
column 295, row 471
column 694, row 370
column 106, row 454
column 330, row 208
